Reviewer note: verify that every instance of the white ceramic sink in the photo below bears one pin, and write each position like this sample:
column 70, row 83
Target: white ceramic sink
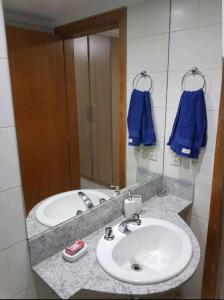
column 153, row 252
column 61, row 207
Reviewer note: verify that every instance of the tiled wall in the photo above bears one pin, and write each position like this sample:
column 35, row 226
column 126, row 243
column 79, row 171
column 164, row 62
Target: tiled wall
column 195, row 41
column 16, row 278
column 147, row 49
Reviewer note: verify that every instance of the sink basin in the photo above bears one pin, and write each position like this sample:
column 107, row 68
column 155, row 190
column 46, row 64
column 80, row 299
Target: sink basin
column 153, row 252
column 61, row 207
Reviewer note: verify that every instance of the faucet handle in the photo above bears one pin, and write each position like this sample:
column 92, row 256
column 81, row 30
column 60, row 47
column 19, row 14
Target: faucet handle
column 109, row 236
column 136, row 216
column 116, row 188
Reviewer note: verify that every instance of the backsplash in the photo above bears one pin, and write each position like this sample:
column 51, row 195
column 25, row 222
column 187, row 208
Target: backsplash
column 56, row 239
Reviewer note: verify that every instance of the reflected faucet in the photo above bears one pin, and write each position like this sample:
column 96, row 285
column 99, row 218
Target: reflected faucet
column 116, row 190
column 86, row 200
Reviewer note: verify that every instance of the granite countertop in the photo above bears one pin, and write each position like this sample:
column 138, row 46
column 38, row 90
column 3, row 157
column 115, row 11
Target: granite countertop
column 67, row 279
column 35, row 228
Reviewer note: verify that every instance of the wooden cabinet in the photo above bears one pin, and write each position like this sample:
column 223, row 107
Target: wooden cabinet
column 97, row 91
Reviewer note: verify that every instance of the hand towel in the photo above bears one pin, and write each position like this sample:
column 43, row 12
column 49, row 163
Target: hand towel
column 148, row 132
column 189, row 132
column 140, row 124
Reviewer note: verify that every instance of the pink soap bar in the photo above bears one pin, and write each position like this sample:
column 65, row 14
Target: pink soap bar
column 78, row 245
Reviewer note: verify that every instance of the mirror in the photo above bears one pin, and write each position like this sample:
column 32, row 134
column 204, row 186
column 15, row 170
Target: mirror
column 72, row 79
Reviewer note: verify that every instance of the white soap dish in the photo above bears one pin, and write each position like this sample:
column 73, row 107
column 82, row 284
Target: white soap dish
column 78, row 255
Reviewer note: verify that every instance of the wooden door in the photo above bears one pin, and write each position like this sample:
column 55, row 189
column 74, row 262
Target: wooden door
column 100, row 86
column 83, row 105
column 39, row 95
column 114, row 42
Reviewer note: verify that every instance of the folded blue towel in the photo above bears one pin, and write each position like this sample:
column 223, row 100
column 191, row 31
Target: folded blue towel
column 140, row 124
column 189, row 132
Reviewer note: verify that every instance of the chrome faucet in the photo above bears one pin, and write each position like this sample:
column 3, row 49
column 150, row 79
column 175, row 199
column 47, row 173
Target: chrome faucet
column 116, row 190
column 86, row 200
column 123, row 227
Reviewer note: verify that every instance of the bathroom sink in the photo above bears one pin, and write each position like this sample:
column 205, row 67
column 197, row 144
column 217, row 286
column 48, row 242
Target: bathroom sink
column 151, row 253
column 61, row 207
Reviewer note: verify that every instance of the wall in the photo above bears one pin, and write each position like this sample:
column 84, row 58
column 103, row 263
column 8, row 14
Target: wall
column 147, row 49
column 16, row 278
column 194, row 22
column 195, row 41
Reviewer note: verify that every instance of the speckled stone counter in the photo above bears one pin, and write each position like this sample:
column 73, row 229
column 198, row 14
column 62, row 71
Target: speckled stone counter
column 67, row 279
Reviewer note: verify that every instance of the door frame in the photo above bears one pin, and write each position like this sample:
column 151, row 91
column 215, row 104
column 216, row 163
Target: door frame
column 211, row 276
column 106, row 21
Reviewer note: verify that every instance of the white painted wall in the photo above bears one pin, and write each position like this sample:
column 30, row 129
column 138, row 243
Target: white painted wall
column 195, row 41
column 147, row 49
column 16, row 278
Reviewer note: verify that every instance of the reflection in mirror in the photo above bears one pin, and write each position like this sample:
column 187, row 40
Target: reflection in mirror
column 71, row 93
column 97, row 94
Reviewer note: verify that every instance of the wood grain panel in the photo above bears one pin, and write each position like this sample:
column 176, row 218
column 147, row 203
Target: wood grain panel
column 95, row 24
column 39, row 95
column 83, row 105
column 72, row 112
column 114, row 44
column 100, row 86
column 213, row 256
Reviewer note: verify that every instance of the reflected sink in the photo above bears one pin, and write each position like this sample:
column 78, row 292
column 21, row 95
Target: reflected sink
column 153, row 252
column 62, row 207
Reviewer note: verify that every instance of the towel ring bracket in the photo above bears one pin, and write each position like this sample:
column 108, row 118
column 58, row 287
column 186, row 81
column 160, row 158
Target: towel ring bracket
column 138, row 77
column 194, row 71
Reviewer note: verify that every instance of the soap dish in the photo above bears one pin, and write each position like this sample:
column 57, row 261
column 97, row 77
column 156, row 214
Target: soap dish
column 78, row 255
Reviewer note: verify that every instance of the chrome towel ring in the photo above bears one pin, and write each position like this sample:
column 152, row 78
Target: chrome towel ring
column 194, row 71
column 138, row 77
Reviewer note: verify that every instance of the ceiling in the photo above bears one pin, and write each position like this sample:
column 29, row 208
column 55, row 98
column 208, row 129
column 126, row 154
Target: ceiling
column 57, row 12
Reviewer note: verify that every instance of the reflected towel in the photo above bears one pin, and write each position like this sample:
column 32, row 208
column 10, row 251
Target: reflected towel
column 140, row 124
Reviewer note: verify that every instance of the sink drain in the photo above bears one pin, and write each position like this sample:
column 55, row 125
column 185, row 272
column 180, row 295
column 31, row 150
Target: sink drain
column 136, row 267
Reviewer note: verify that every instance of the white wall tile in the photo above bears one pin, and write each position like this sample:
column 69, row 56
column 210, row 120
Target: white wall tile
column 212, row 117
column 192, row 289
column 158, row 115
column 158, row 95
column 202, row 198
column 199, row 47
column 9, row 162
column 37, row 291
column 149, row 17
column 210, row 12
column 201, row 172
column 136, row 20
column 184, row 14
column 150, row 53
column 3, row 47
column 158, row 16
column 6, row 107
column 11, row 212
column 212, row 95
column 4, row 277
column 20, row 273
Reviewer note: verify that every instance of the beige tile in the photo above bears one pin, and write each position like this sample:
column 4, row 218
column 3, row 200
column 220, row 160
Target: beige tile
column 12, row 224
column 4, row 277
column 21, row 276
column 9, row 161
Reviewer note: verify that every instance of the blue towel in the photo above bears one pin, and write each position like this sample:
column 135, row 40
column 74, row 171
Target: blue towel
column 140, row 124
column 189, row 132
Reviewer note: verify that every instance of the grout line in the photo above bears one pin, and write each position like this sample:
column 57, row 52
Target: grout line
column 196, row 27
column 11, row 189
column 14, row 244
column 7, row 127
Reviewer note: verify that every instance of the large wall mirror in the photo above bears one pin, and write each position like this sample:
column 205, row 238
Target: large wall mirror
column 73, row 72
